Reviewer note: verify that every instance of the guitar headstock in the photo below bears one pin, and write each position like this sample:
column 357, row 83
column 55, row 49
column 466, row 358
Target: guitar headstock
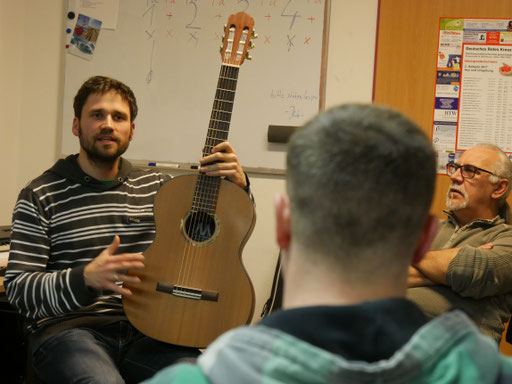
column 237, row 39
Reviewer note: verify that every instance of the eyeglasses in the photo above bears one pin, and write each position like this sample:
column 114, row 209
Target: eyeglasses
column 467, row 171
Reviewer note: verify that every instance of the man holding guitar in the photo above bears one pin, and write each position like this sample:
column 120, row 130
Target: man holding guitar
column 360, row 180
column 65, row 273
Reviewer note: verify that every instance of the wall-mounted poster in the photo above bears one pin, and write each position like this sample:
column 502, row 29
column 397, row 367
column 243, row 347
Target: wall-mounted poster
column 473, row 95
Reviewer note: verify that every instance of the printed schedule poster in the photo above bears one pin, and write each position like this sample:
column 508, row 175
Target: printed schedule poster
column 473, row 93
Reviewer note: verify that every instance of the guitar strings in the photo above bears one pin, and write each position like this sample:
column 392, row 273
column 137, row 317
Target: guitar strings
column 220, row 104
column 205, row 197
column 210, row 185
column 192, row 220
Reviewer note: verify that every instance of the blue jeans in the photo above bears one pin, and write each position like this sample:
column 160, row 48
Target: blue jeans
column 116, row 353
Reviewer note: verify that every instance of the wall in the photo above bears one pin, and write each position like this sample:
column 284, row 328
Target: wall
column 10, row 101
column 31, row 74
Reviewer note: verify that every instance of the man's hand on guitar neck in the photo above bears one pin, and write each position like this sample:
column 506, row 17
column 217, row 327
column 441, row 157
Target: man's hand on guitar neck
column 106, row 270
column 226, row 165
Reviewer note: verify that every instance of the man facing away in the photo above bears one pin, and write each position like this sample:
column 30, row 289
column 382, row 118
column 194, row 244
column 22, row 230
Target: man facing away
column 470, row 263
column 360, row 180
column 65, row 272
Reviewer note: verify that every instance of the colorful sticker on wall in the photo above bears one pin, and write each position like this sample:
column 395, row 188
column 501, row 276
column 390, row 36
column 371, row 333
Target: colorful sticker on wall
column 84, row 38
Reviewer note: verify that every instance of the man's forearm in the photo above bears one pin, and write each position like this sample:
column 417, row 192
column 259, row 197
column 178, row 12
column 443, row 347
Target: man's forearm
column 435, row 264
column 417, row 279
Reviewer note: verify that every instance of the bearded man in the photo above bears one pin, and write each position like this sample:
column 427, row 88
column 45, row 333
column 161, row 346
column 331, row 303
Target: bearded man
column 470, row 263
column 76, row 230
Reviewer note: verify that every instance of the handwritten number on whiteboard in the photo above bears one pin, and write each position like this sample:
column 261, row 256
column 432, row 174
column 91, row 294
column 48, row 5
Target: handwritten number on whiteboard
column 292, row 15
column 190, row 25
column 149, row 76
column 152, row 9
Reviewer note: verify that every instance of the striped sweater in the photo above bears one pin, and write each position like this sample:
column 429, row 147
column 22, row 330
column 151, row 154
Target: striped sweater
column 64, row 219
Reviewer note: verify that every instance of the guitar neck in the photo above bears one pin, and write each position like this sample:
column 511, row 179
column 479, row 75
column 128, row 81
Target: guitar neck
column 220, row 119
column 207, row 188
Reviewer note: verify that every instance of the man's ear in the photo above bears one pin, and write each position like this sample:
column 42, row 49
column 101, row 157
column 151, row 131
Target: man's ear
column 75, row 127
column 427, row 235
column 132, row 131
column 283, row 226
column 500, row 188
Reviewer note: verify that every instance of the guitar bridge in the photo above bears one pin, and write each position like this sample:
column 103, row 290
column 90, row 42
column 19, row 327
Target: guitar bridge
column 187, row 292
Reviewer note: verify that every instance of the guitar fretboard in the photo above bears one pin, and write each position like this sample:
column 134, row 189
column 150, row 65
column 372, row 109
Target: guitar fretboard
column 207, row 188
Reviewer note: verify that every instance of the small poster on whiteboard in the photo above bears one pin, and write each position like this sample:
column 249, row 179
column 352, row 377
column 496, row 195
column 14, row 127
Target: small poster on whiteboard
column 84, row 37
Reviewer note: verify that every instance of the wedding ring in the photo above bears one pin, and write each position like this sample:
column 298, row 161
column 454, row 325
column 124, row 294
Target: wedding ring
column 116, row 278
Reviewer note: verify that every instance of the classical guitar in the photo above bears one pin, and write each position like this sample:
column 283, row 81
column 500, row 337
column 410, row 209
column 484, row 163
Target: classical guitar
column 194, row 286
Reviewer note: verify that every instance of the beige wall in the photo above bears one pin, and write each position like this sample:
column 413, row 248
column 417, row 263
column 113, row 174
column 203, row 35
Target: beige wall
column 31, row 41
column 11, row 74
column 31, row 75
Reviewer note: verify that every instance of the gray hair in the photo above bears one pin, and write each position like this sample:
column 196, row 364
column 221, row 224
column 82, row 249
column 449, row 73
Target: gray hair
column 503, row 168
column 360, row 180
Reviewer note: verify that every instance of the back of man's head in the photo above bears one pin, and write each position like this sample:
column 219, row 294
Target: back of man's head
column 360, row 180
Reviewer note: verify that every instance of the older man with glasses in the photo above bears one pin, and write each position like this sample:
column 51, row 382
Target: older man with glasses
column 470, row 262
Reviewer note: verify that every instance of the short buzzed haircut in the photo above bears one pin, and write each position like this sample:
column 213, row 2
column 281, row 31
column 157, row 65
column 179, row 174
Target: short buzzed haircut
column 360, row 180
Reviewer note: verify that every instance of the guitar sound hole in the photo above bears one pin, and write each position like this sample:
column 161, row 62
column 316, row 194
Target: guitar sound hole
column 199, row 226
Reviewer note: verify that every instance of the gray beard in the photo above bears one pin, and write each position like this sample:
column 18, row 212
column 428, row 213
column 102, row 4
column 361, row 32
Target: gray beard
column 456, row 206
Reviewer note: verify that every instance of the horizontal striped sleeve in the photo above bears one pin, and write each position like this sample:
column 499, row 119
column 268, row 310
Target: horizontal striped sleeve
column 59, row 226
column 30, row 287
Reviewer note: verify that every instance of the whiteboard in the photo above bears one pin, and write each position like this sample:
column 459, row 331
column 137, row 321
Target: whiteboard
column 167, row 51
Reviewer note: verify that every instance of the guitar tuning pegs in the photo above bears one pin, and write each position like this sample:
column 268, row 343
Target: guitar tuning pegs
column 250, row 45
column 220, row 49
column 247, row 56
column 254, row 34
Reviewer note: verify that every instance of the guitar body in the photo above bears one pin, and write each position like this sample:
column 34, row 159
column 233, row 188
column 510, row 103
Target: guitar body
column 194, row 286
column 210, row 265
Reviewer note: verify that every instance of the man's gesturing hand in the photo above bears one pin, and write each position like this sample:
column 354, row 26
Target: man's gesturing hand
column 107, row 269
